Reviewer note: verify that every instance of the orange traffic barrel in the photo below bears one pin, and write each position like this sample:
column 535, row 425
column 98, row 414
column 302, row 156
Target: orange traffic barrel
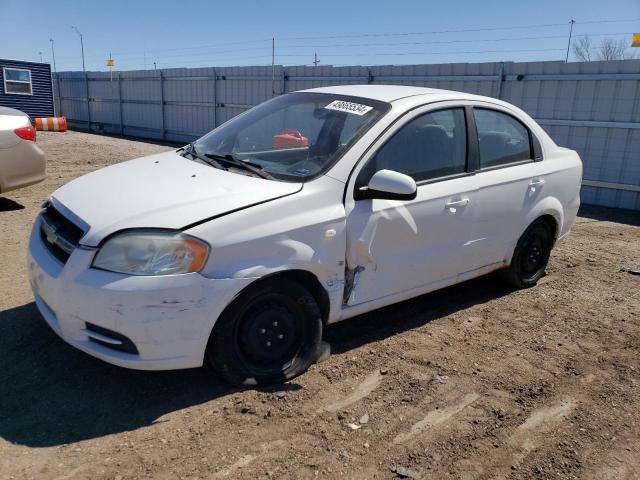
column 52, row 124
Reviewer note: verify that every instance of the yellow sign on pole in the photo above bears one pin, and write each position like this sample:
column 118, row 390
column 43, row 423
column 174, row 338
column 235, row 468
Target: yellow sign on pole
column 635, row 40
column 110, row 64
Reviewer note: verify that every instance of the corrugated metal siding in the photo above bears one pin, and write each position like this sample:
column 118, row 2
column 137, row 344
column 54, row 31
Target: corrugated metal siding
column 40, row 104
column 593, row 107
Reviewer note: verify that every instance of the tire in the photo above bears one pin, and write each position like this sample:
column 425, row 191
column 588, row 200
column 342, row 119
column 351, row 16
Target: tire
column 530, row 256
column 270, row 334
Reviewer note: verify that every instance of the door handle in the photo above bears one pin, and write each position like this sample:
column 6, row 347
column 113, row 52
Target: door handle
column 457, row 203
column 452, row 205
column 535, row 183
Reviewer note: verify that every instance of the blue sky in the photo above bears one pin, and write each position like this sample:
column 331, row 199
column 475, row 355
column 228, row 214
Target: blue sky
column 219, row 33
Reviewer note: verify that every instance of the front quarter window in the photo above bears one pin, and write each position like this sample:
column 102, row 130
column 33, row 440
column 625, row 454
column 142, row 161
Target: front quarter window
column 295, row 137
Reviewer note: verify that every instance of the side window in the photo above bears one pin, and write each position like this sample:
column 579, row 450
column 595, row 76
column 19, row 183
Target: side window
column 430, row 146
column 502, row 138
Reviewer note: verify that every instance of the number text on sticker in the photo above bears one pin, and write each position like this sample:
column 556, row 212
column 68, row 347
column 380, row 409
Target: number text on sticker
column 348, row 107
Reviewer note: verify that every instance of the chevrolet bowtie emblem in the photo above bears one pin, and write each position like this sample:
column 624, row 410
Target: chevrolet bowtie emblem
column 50, row 232
column 51, row 236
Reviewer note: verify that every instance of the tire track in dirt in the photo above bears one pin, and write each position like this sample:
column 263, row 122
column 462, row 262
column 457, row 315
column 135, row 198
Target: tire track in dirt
column 527, row 436
column 436, row 417
column 247, row 459
column 360, row 391
column 530, row 435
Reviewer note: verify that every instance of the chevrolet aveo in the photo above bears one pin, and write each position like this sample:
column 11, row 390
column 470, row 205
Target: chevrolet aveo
column 308, row 209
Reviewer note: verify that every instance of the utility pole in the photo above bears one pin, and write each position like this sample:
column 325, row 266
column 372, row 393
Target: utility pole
column 273, row 66
column 566, row 59
column 315, row 59
column 40, row 53
column 155, row 67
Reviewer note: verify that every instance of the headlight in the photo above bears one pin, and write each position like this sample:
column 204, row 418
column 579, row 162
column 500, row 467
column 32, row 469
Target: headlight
column 152, row 252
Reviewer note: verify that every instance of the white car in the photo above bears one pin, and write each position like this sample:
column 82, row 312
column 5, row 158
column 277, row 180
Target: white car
column 308, row 209
column 22, row 163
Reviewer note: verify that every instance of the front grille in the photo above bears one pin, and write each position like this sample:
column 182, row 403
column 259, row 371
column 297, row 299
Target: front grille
column 59, row 235
column 110, row 339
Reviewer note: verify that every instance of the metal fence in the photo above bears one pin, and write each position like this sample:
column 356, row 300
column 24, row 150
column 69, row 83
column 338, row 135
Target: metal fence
column 591, row 107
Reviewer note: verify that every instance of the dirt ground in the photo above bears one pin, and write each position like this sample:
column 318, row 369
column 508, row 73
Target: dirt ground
column 475, row 381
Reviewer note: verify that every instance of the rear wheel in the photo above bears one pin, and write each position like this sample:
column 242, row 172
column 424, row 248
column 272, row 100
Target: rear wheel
column 270, row 334
column 530, row 256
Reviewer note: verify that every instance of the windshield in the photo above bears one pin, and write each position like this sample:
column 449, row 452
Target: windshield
column 294, row 137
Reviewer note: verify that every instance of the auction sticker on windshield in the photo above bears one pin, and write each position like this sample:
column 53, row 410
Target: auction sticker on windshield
column 349, row 107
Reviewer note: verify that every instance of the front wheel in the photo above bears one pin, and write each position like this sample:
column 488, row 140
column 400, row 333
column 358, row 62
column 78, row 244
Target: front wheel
column 530, row 256
column 269, row 334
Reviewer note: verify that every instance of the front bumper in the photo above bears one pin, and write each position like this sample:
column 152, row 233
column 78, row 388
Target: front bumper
column 168, row 318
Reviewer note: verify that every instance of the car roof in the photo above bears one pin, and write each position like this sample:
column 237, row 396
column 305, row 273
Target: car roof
column 390, row 93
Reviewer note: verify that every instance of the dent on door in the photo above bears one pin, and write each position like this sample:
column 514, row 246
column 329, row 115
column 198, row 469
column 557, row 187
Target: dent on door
column 361, row 233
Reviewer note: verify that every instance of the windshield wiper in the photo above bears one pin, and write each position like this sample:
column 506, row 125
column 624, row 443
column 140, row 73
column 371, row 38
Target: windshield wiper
column 190, row 149
column 236, row 162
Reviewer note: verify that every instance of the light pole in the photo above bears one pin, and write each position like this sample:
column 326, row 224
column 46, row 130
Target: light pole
column 273, row 66
column 81, row 46
column 53, row 57
column 40, row 53
column 86, row 79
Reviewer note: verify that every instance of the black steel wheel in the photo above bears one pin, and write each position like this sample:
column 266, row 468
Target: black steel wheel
column 531, row 255
column 270, row 334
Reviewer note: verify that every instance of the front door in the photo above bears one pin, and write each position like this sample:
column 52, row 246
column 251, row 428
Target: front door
column 395, row 246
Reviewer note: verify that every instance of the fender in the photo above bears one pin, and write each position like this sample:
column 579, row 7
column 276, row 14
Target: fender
column 308, row 234
column 287, row 255
column 547, row 206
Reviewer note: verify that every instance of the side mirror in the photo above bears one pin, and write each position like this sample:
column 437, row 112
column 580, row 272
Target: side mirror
column 389, row 185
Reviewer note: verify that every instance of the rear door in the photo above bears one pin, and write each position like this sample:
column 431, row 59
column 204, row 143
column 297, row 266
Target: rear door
column 395, row 246
column 508, row 180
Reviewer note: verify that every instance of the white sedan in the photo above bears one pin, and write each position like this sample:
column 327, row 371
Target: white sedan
column 306, row 210
column 22, row 163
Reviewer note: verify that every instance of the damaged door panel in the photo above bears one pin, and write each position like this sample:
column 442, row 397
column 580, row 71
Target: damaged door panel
column 350, row 283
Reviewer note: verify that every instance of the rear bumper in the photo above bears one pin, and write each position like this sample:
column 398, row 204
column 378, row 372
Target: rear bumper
column 21, row 165
column 168, row 318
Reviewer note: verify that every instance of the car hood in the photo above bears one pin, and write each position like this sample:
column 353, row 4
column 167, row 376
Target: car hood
column 159, row 191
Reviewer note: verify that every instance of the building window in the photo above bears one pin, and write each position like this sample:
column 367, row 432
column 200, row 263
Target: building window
column 17, row 81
